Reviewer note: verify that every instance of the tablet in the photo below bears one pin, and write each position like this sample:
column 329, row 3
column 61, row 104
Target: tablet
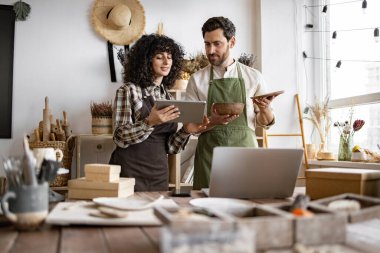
column 275, row 93
column 191, row 111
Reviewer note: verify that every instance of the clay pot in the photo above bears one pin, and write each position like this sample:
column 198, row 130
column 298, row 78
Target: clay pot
column 229, row 108
column 180, row 84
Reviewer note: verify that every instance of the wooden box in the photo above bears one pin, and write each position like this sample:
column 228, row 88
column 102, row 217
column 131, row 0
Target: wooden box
column 369, row 206
column 326, row 182
column 102, row 172
column 274, row 227
column 207, row 231
column 192, row 219
column 325, row 227
column 84, row 189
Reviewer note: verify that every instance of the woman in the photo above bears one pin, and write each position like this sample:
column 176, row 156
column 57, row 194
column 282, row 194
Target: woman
column 143, row 134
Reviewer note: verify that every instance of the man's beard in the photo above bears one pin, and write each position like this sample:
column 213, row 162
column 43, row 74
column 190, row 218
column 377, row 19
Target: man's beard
column 219, row 62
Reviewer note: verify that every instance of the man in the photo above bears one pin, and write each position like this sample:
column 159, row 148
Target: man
column 225, row 80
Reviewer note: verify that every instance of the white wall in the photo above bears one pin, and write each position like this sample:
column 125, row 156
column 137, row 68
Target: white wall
column 280, row 66
column 58, row 54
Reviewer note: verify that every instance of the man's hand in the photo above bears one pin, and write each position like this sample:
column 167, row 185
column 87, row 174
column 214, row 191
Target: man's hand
column 217, row 119
column 265, row 115
column 264, row 103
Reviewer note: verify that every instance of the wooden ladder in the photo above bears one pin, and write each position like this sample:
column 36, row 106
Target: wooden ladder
column 301, row 134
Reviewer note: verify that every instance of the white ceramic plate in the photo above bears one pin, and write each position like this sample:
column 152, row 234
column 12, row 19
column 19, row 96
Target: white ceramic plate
column 236, row 207
column 129, row 204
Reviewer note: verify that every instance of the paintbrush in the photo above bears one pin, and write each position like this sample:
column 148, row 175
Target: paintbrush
column 28, row 165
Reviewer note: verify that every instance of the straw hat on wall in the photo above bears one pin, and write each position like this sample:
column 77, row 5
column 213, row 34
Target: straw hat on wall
column 119, row 21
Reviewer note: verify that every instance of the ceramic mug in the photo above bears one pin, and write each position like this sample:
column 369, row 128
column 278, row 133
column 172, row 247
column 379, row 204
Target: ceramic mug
column 311, row 151
column 26, row 206
column 47, row 153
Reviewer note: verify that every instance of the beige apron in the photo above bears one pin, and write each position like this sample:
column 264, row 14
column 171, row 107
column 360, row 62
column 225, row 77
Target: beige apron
column 235, row 134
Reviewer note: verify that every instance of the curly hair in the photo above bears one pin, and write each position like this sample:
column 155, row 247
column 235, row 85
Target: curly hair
column 219, row 22
column 138, row 64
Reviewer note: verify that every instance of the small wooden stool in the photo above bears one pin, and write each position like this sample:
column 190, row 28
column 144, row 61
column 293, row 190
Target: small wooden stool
column 325, row 182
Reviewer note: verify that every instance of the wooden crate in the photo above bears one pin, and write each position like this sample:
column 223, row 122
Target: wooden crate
column 203, row 221
column 370, row 207
column 218, row 232
column 325, row 227
column 273, row 227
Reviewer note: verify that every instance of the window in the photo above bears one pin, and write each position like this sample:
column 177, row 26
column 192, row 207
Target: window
column 356, row 83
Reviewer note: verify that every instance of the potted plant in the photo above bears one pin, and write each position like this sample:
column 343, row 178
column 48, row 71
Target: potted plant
column 199, row 61
column 101, row 117
column 347, row 129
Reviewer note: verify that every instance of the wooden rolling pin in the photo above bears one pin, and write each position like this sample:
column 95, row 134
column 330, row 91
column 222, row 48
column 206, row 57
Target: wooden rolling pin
column 60, row 134
column 46, row 121
column 37, row 135
column 53, row 127
column 66, row 125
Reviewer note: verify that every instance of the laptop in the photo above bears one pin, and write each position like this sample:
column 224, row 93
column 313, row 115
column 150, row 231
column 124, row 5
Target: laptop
column 254, row 173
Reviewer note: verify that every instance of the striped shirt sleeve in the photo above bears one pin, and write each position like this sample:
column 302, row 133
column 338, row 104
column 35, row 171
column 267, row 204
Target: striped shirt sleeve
column 129, row 130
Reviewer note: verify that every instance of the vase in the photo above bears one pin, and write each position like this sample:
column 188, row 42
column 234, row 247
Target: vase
column 323, row 153
column 345, row 147
column 180, row 84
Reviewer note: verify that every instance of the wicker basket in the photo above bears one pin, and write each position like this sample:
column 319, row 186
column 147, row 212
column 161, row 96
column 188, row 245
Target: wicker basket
column 60, row 180
column 67, row 148
column 102, row 125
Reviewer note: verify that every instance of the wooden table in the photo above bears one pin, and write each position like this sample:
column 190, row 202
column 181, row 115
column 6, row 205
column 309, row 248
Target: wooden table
column 73, row 239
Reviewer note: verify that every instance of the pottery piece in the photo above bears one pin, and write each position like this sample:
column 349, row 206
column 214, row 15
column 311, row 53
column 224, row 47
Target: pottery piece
column 229, row 108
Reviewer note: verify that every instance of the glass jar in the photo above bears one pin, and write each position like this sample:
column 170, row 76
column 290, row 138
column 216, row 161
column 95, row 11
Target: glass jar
column 345, row 147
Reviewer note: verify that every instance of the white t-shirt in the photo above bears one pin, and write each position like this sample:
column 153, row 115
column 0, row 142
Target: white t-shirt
column 197, row 87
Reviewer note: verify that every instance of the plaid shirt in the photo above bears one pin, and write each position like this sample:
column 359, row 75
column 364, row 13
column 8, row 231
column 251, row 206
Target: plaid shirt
column 130, row 127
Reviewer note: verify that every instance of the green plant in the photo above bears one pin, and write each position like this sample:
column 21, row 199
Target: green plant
column 247, row 59
column 21, row 10
column 103, row 109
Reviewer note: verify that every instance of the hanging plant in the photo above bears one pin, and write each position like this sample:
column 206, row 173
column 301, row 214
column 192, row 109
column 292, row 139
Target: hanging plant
column 121, row 56
column 22, row 10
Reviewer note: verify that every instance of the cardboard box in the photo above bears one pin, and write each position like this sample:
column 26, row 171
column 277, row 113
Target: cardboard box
column 369, row 206
column 326, row 182
column 84, row 189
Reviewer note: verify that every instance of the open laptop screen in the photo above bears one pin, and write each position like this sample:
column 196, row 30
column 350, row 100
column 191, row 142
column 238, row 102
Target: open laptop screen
column 240, row 172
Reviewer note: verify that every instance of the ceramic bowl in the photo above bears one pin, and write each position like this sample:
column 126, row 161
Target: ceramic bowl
column 229, row 108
